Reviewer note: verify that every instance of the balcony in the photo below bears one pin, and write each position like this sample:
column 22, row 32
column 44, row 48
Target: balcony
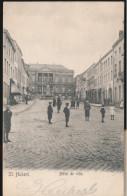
column 121, row 76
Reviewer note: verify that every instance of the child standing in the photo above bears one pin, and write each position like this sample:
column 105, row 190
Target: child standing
column 102, row 110
column 50, row 111
column 112, row 112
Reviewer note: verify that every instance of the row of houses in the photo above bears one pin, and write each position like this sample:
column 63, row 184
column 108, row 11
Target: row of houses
column 104, row 81
column 15, row 75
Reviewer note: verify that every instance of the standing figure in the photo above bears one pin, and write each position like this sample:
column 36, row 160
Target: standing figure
column 26, row 98
column 7, row 123
column 77, row 104
column 102, row 111
column 87, row 110
column 67, row 114
column 50, row 111
column 74, row 103
column 112, row 112
column 59, row 103
column 54, row 102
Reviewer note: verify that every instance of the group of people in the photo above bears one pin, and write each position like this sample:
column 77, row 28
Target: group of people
column 8, row 114
column 66, row 110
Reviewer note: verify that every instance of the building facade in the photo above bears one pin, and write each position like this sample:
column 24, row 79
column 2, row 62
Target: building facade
column 104, row 80
column 118, row 69
column 14, row 73
column 48, row 80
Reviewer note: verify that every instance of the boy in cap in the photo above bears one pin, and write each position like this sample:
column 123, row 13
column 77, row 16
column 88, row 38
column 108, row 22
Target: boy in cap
column 7, row 123
column 102, row 110
column 50, row 111
column 67, row 114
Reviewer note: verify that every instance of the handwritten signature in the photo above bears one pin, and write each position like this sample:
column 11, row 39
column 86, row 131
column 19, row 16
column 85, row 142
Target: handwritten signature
column 56, row 187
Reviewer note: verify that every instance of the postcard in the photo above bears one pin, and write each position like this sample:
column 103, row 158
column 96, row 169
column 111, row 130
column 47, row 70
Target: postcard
column 63, row 98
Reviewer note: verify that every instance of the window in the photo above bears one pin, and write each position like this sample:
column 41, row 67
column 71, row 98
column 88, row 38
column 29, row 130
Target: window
column 39, row 89
column 108, row 76
column 115, row 93
column 5, row 66
column 39, row 77
column 115, row 70
column 9, row 69
column 108, row 62
column 115, row 53
column 45, row 77
column 119, row 93
column 111, row 60
column 51, row 77
column 4, row 90
column 111, row 75
column 119, row 50
column 44, row 89
column 119, row 66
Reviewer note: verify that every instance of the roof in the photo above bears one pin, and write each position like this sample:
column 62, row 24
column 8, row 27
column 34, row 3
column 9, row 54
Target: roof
column 16, row 45
column 49, row 66
column 9, row 37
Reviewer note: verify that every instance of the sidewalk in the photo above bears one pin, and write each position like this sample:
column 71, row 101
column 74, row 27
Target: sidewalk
column 22, row 106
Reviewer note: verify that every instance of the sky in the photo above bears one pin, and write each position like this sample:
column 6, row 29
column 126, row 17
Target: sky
column 73, row 34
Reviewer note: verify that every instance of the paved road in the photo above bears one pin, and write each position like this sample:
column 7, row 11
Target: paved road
column 84, row 145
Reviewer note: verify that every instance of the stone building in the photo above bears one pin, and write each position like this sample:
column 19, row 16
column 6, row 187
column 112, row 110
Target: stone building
column 104, row 80
column 48, row 80
column 90, row 93
column 8, row 64
column 106, row 76
column 81, row 86
column 118, row 69
column 14, row 73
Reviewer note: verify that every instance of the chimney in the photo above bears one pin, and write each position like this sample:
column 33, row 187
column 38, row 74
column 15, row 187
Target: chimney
column 121, row 34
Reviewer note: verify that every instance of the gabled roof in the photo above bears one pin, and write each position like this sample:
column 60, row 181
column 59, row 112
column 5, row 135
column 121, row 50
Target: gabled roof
column 49, row 66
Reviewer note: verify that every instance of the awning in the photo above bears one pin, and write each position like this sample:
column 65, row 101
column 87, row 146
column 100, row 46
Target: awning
column 15, row 90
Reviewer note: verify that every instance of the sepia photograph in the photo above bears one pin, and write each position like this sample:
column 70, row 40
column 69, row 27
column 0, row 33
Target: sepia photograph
column 63, row 98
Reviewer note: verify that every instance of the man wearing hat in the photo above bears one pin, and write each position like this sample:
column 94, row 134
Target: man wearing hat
column 7, row 123
column 50, row 111
column 67, row 114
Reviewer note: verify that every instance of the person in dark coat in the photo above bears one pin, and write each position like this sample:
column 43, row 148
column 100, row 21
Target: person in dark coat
column 67, row 114
column 59, row 103
column 102, row 111
column 77, row 104
column 87, row 110
column 7, row 123
column 54, row 102
column 26, row 98
column 50, row 111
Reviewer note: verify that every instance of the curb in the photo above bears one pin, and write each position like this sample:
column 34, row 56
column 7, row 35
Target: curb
column 26, row 108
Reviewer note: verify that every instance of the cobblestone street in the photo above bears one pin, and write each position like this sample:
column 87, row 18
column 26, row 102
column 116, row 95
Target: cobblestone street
column 84, row 145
